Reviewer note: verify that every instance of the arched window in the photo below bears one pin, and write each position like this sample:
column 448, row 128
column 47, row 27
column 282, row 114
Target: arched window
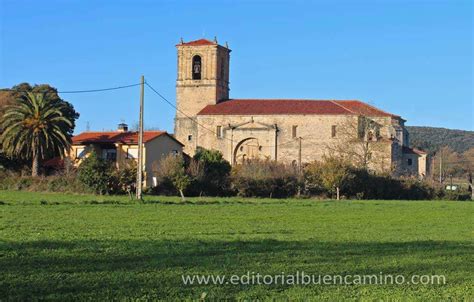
column 196, row 68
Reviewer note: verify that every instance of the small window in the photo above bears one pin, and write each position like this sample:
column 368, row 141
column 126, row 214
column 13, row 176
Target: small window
column 197, row 68
column 80, row 152
column 132, row 153
column 294, row 131
column 333, row 131
column 219, row 133
column 109, row 154
column 190, row 137
column 410, row 162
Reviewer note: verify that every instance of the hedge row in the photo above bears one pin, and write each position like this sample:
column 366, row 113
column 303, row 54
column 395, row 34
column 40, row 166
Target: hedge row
column 208, row 174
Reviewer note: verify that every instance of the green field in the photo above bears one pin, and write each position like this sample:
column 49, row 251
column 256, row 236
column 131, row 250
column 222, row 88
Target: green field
column 63, row 247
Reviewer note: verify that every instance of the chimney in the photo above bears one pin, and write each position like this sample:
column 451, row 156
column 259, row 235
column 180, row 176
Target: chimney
column 122, row 127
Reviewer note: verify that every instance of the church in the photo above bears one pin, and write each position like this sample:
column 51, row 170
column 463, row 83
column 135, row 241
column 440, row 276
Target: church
column 292, row 131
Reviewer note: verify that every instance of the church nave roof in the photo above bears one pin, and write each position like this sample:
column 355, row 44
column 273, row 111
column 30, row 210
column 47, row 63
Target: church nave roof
column 292, row 106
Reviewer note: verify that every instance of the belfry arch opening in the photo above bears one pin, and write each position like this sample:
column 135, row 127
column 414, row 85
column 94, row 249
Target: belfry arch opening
column 197, row 67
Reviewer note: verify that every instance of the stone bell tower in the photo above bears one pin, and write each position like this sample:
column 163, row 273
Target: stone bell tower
column 203, row 79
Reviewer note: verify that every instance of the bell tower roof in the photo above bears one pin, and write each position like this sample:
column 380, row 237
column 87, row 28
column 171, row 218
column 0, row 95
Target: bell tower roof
column 200, row 42
column 203, row 42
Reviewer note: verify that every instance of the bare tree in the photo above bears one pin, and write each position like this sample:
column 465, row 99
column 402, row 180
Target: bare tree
column 468, row 159
column 358, row 140
column 447, row 163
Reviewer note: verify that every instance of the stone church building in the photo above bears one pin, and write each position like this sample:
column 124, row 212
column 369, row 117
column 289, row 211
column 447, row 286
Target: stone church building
column 293, row 131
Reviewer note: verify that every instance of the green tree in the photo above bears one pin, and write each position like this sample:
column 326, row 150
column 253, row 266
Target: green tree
column 171, row 170
column 214, row 179
column 96, row 173
column 332, row 173
column 21, row 91
column 181, row 181
column 125, row 178
column 35, row 126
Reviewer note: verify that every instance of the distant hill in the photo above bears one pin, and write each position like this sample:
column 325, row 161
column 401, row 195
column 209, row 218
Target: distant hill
column 431, row 139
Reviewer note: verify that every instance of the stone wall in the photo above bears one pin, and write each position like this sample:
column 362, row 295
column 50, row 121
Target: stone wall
column 315, row 132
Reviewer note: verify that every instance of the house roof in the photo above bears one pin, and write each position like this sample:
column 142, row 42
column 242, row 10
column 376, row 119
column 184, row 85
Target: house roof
column 200, row 42
column 292, row 106
column 117, row 137
column 413, row 151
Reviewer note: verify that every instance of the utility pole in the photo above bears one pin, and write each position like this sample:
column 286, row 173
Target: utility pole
column 299, row 155
column 140, row 140
column 440, row 167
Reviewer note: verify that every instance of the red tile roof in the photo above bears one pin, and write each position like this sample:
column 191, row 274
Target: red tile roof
column 362, row 108
column 200, row 42
column 117, row 137
column 278, row 106
column 413, row 150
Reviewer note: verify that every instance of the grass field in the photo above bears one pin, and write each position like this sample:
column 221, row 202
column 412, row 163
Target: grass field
column 64, row 247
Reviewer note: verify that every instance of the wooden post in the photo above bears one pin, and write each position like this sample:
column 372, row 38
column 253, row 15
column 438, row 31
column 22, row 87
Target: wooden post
column 140, row 140
column 299, row 155
column 276, row 142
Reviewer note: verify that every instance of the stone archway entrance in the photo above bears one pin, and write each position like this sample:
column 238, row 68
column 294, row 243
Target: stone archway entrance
column 248, row 148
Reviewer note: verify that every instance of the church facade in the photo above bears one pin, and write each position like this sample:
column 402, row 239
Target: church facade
column 288, row 130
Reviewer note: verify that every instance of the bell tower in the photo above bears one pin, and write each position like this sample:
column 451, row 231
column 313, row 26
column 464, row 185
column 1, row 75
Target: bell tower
column 203, row 79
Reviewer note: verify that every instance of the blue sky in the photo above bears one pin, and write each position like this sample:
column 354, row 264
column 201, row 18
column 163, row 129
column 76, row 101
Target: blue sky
column 412, row 58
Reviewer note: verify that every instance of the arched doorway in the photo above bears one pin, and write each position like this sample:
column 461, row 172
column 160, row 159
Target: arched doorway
column 248, row 148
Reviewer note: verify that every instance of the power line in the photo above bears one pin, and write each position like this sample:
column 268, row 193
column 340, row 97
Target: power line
column 98, row 90
column 180, row 111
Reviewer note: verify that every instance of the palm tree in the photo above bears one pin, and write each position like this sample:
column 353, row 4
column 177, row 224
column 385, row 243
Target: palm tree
column 34, row 127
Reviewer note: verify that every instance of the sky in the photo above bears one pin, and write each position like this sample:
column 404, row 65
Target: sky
column 411, row 58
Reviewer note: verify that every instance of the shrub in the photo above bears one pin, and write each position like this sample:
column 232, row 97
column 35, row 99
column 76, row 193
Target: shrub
column 8, row 163
column 62, row 182
column 331, row 175
column 461, row 193
column 383, row 186
column 24, row 183
column 210, row 173
column 57, row 184
column 7, row 179
column 324, row 176
column 171, row 176
column 264, row 178
column 96, row 173
column 124, row 180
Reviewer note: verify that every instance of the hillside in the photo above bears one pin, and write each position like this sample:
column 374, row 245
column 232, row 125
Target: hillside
column 431, row 139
